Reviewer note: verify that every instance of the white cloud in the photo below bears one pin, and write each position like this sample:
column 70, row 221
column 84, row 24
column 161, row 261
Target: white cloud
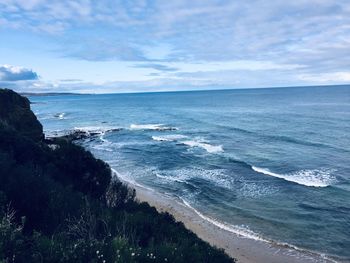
column 13, row 73
column 249, row 65
column 179, row 43
column 333, row 77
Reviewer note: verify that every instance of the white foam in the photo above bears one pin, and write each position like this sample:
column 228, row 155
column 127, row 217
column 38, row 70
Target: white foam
column 103, row 147
column 242, row 231
column 206, row 146
column 170, row 178
column 105, row 144
column 169, row 138
column 315, row 178
column 103, row 139
column 192, row 143
column 218, row 177
column 155, row 127
column 60, row 116
column 128, row 180
column 250, row 189
column 96, row 129
column 238, row 230
column 245, row 232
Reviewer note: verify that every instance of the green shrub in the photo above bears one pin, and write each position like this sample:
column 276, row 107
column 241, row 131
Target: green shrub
column 61, row 205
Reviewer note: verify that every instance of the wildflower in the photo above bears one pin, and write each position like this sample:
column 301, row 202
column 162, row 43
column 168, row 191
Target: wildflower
column 97, row 251
column 132, row 254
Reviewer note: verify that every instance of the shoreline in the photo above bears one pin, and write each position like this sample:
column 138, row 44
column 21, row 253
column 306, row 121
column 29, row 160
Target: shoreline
column 244, row 249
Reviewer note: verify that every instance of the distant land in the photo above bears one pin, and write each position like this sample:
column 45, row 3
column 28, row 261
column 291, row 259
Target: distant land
column 190, row 90
column 49, row 93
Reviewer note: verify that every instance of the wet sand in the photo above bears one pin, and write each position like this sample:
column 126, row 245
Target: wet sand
column 244, row 249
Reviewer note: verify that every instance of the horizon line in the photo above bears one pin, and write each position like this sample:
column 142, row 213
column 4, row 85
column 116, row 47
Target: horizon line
column 175, row 91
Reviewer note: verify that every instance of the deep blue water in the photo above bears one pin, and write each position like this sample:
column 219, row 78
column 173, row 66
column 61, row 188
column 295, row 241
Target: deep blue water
column 269, row 163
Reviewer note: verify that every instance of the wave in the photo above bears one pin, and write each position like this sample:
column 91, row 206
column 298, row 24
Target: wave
column 282, row 138
column 154, row 127
column 60, row 116
column 238, row 230
column 192, row 143
column 245, row 232
column 187, row 175
column 170, row 178
column 169, row 138
column 104, row 145
column 315, row 177
column 129, row 180
column 206, row 146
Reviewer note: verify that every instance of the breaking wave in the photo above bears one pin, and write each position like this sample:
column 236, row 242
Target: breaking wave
column 153, row 127
column 191, row 143
column 245, row 232
column 315, row 177
column 206, row 146
column 60, row 116
column 218, row 177
column 169, row 138
column 238, row 230
column 170, row 178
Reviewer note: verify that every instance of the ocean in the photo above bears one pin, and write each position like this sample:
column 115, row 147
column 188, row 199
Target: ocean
column 269, row 164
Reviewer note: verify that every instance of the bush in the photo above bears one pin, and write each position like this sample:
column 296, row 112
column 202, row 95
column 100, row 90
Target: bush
column 59, row 204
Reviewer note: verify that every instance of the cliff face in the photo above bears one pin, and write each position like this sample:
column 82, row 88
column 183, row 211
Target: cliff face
column 15, row 112
column 60, row 204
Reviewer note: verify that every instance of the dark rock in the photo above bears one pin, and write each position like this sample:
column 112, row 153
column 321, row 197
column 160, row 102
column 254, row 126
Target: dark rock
column 15, row 112
column 77, row 134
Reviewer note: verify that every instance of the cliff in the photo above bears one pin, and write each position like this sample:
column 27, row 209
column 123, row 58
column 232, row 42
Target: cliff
column 15, row 112
column 60, row 204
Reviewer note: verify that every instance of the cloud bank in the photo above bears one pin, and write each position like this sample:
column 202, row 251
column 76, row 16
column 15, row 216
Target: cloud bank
column 196, row 43
column 13, row 73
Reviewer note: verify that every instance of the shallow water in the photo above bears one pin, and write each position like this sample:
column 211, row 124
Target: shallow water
column 272, row 164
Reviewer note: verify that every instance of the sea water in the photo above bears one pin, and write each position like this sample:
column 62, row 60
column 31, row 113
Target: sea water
column 269, row 164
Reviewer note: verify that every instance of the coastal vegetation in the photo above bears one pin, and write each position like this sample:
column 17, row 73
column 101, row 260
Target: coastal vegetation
column 60, row 204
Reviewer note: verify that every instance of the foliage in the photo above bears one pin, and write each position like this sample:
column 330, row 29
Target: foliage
column 60, row 204
column 15, row 111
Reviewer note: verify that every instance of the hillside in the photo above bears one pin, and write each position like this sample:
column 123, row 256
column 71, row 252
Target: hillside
column 60, row 204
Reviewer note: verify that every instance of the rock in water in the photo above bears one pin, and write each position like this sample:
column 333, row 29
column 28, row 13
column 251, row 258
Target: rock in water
column 15, row 112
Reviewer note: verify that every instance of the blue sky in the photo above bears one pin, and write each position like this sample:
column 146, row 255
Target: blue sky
column 130, row 46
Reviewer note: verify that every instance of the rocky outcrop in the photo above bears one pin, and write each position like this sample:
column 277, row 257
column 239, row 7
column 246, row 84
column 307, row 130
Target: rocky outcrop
column 15, row 112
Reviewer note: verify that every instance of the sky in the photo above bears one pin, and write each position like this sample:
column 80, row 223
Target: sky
column 116, row 46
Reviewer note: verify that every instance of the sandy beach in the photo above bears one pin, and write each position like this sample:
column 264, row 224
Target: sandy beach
column 244, row 249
